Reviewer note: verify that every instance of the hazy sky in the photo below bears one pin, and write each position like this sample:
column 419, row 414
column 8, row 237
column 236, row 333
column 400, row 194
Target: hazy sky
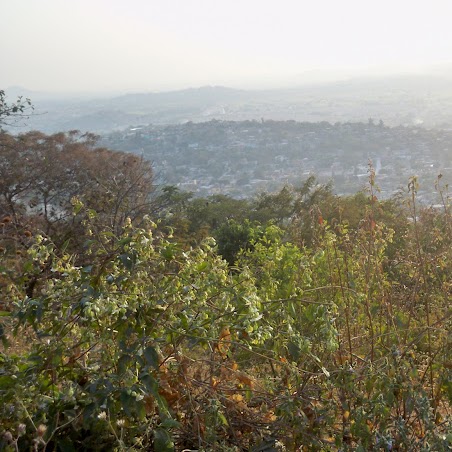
column 131, row 45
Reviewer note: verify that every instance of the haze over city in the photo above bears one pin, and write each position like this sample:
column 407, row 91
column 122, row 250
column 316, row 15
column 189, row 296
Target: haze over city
column 115, row 46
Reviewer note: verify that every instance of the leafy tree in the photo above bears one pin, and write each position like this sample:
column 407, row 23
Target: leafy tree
column 211, row 212
column 40, row 174
column 10, row 112
column 233, row 237
column 274, row 207
column 43, row 180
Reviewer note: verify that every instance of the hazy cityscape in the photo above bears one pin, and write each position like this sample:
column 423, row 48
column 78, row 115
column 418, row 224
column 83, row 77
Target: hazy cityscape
column 246, row 157
column 213, row 140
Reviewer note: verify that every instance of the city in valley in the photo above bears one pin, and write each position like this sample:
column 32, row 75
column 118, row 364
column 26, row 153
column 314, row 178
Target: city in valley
column 213, row 139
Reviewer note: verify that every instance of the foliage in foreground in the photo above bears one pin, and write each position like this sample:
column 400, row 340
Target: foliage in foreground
column 345, row 345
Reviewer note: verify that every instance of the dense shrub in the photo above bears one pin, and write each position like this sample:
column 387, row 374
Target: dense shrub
column 344, row 345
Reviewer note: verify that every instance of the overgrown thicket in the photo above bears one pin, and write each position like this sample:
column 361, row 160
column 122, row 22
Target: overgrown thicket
column 327, row 327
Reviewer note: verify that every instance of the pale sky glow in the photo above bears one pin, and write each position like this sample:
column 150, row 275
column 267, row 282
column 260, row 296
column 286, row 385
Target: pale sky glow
column 114, row 45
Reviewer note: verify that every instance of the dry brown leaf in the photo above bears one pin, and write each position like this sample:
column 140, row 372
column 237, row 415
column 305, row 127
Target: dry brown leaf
column 245, row 379
column 224, row 341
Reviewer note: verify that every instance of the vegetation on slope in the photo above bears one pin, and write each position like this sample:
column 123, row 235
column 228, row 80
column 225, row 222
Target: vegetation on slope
column 327, row 327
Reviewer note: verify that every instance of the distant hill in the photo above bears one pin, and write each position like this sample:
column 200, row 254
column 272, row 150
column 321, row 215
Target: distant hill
column 398, row 100
column 208, row 95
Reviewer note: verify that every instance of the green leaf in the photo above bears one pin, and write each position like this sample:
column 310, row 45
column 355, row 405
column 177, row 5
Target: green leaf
column 170, row 423
column 127, row 402
column 3, row 336
column 7, row 382
column 87, row 269
column 202, row 266
column 294, row 351
column 65, row 445
column 123, row 363
column 150, row 383
column 88, row 413
column 151, row 356
column 163, row 441
column 128, row 260
column 168, row 252
column 140, row 409
column 125, row 241
column 152, row 386
column 28, row 266
column 222, row 418
column 77, row 207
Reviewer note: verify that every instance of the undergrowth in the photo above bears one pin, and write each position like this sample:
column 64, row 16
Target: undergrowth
column 342, row 345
